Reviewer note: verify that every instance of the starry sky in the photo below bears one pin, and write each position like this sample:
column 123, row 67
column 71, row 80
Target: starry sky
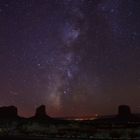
column 78, row 57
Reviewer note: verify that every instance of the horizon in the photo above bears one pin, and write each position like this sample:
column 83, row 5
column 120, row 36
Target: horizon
column 85, row 116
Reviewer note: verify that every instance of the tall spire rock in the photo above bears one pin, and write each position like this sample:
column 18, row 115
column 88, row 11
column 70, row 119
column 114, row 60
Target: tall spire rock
column 41, row 112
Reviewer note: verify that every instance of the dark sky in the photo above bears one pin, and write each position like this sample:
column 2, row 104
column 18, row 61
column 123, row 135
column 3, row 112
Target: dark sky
column 78, row 57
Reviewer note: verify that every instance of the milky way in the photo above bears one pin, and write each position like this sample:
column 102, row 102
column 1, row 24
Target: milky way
column 78, row 57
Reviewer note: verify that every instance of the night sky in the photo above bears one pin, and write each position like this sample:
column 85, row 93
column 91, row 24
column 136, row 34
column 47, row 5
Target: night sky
column 78, row 57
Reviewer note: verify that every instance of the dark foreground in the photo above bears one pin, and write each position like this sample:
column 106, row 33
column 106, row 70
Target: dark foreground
column 45, row 138
column 122, row 126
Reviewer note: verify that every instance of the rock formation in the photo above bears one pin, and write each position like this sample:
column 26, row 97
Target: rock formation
column 8, row 112
column 41, row 112
column 124, row 111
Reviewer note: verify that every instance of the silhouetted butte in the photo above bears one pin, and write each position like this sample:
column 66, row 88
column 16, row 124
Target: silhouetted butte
column 8, row 112
column 41, row 113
